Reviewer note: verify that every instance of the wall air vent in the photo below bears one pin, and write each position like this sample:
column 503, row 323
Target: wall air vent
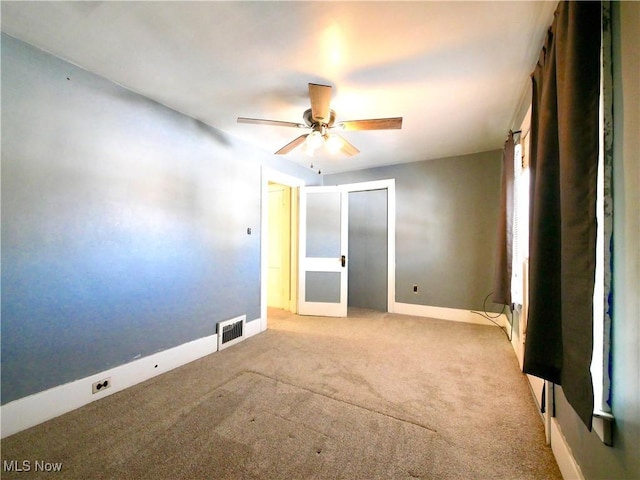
column 231, row 332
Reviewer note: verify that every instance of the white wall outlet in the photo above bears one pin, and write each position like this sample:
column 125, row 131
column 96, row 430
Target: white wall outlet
column 101, row 385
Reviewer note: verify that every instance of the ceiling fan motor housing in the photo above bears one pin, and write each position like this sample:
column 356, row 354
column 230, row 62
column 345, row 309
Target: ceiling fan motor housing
column 314, row 122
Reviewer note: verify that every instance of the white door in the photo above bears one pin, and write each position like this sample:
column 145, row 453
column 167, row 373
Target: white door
column 323, row 251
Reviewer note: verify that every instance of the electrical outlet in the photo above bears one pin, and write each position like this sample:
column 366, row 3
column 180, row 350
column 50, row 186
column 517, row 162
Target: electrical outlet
column 415, row 289
column 101, row 385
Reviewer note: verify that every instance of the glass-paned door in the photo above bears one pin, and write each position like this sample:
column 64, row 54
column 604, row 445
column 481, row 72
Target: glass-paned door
column 323, row 250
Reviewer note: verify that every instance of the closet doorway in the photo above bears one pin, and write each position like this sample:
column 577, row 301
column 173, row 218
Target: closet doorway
column 368, row 249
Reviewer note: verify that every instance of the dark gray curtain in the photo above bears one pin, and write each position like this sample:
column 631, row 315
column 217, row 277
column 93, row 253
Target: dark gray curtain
column 564, row 158
column 504, row 255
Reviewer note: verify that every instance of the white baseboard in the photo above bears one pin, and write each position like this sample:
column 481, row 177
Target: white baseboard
column 42, row 406
column 255, row 327
column 443, row 313
column 566, row 462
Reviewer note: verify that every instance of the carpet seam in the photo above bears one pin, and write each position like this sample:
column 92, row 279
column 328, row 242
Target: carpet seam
column 346, row 402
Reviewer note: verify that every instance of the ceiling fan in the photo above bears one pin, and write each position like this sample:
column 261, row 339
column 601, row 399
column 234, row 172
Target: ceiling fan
column 321, row 119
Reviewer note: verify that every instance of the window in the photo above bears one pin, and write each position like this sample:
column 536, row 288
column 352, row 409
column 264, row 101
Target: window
column 602, row 290
column 600, row 361
column 559, row 212
column 520, row 220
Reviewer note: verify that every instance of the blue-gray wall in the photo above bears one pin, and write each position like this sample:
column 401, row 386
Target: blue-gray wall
column 446, row 227
column 124, row 224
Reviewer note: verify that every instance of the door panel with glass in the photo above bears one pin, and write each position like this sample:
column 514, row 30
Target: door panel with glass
column 323, row 250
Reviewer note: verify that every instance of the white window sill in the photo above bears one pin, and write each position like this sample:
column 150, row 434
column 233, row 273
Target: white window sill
column 603, row 426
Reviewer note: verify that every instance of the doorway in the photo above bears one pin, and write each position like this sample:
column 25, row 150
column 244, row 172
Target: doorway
column 273, row 180
column 368, row 249
column 324, row 256
column 279, row 292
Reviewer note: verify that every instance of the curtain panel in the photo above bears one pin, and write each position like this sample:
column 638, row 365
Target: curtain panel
column 563, row 173
column 504, row 254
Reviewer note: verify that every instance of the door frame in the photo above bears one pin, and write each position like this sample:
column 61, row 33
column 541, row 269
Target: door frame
column 390, row 186
column 270, row 175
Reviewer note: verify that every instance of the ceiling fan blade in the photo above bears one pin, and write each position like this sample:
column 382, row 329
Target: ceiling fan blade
column 347, row 147
column 372, row 124
column 291, row 145
column 320, row 96
column 276, row 123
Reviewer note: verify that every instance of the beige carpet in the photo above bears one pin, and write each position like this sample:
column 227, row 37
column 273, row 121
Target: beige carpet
column 371, row 396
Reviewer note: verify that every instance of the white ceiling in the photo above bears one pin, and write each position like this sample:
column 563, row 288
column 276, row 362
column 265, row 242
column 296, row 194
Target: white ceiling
column 456, row 71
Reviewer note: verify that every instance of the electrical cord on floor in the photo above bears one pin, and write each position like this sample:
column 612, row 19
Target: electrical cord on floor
column 493, row 318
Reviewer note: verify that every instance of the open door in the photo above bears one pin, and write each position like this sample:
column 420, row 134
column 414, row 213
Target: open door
column 323, row 251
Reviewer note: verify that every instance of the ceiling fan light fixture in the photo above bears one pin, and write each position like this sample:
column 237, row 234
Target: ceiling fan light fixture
column 314, row 140
column 307, row 149
column 333, row 143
